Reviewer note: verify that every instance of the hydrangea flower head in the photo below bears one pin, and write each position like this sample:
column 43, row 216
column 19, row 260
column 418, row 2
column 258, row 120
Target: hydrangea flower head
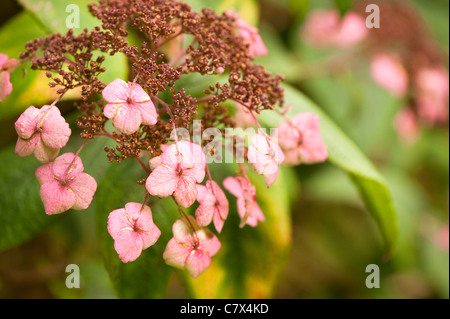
column 301, row 140
column 133, row 230
column 64, row 185
column 433, row 94
column 245, row 192
column 390, row 74
column 191, row 246
column 177, row 171
column 128, row 106
column 265, row 156
column 42, row 132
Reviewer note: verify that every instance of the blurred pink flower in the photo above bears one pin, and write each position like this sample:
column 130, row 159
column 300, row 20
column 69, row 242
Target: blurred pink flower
column 6, row 67
column 301, row 141
column 191, row 247
column 325, row 28
column 133, row 230
column 128, row 106
column 407, row 126
column 250, row 34
column 433, row 94
column 265, row 156
column 389, row 73
column 177, row 171
column 64, row 186
column 42, row 132
column 243, row 118
column 213, row 205
column 248, row 208
column 442, row 238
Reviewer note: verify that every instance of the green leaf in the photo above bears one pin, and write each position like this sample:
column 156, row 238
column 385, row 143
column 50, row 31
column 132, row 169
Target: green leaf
column 344, row 154
column 13, row 37
column 148, row 276
column 299, row 7
column 250, row 260
column 56, row 15
column 343, row 6
column 22, row 214
column 248, row 9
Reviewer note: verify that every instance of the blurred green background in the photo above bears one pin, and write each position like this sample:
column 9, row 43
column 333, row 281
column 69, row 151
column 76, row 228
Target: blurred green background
column 332, row 237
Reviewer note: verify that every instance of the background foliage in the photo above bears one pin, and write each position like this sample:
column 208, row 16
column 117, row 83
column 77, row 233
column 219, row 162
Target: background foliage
column 377, row 199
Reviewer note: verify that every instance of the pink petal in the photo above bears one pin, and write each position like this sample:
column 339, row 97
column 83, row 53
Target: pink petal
column 218, row 222
column 313, row 149
column 220, row 197
column 202, row 193
column 185, row 192
column 155, row 162
column 25, row 148
column 116, row 92
column 127, row 119
column 390, row 74
column 208, row 241
column 182, row 229
column 44, row 173
column 150, row 236
column 55, row 130
column 233, row 185
column 162, row 181
column 138, row 95
column 176, row 253
column 27, row 122
column 269, row 179
column 128, row 245
column 56, row 198
column 110, row 110
column 144, row 223
column 5, row 85
column 205, row 212
column 43, row 153
column 148, row 112
column 197, row 262
column 118, row 221
column 306, row 121
column 61, row 167
column 84, row 187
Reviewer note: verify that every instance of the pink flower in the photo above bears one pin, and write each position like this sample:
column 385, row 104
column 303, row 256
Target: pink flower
column 6, row 67
column 407, row 126
column 213, row 205
column 177, row 171
column 128, row 106
column 133, row 230
column 301, row 141
column 442, row 238
column 243, row 118
column 191, row 247
column 327, row 29
column 433, row 94
column 389, row 73
column 42, row 132
column 64, row 186
column 250, row 34
column 265, row 156
column 248, row 208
